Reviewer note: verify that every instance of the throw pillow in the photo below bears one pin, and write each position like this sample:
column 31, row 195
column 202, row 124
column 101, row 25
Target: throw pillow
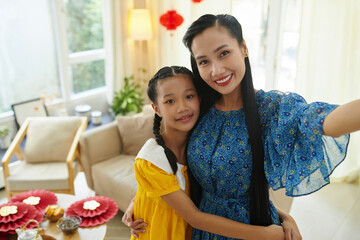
column 134, row 131
column 50, row 139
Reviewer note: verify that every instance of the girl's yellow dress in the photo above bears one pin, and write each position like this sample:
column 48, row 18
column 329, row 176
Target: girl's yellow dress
column 155, row 178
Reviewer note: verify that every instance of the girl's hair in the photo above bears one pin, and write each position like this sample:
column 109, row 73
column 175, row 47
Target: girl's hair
column 164, row 73
column 259, row 192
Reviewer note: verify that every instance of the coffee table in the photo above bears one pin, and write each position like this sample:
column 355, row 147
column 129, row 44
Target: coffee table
column 89, row 233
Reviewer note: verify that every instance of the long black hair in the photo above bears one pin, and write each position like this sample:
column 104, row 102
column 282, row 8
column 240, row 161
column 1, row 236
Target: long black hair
column 259, row 192
column 162, row 74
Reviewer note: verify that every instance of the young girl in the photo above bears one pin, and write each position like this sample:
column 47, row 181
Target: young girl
column 247, row 139
column 162, row 196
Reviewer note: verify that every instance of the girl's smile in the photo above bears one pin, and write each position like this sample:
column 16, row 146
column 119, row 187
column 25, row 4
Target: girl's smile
column 185, row 118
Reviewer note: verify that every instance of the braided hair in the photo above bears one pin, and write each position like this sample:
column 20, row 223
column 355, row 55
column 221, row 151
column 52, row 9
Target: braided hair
column 259, row 192
column 162, row 74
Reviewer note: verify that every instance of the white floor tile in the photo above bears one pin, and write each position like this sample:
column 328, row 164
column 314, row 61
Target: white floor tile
column 321, row 214
column 350, row 228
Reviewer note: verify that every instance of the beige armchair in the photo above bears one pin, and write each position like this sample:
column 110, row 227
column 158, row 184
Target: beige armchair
column 108, row 154
column 48, row 161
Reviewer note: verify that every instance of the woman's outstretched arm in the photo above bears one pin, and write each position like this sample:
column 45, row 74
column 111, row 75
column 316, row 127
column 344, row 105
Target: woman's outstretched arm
column 183, row 205
column 343, row 120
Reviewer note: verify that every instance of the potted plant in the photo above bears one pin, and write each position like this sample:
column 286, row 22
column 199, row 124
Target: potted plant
column 129, row 99
column 4, row 137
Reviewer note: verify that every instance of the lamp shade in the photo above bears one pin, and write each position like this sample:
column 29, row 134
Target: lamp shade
column 139, row 24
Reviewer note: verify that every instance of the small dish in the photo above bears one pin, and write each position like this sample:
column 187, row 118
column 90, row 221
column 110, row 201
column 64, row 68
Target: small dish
column 69, row 224
column 53, row 213
column 53, row 218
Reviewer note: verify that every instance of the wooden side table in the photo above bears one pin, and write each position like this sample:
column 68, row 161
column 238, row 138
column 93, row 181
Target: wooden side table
column 64, row 201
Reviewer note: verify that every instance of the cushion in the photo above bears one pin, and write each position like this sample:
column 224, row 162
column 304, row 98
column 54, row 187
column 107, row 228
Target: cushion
column 147, row 109
column 49, row 139
column 135, row 130
column 30, row 176
column 115, row 178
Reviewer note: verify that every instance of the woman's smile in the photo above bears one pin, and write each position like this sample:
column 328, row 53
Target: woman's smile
column 224, row 81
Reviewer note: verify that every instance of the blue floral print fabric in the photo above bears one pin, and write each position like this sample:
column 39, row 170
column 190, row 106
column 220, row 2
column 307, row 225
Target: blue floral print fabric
column 298, row 157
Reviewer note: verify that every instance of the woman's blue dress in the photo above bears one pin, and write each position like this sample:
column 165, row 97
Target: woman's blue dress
column 297, row 156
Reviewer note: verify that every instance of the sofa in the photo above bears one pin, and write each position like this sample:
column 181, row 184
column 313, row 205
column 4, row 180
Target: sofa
column 108, row 153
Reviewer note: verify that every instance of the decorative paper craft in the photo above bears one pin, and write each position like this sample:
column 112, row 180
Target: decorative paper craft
column 24, row 212
column 7, row 210
column 32, row 200
column 40, row 199
column 31, row 108
column 93, row 216
column 91, row 205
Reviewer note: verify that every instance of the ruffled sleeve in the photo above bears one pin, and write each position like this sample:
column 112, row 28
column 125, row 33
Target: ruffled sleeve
column 298, row 156
column 153, row 180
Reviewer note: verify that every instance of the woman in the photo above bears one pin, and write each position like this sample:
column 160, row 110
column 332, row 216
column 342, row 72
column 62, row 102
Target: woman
column 247, row 140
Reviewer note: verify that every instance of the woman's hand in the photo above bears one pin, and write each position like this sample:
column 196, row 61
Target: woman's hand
column 135, row 226
column 291, row 230
column 273, row 232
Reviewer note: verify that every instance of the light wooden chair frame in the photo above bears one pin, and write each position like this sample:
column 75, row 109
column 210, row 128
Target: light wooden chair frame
column 14, row 148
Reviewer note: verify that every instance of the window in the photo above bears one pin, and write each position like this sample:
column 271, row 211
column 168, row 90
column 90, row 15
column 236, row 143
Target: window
column 50, row 48
column 84, row 30
column 28, row 59
column 271, row 31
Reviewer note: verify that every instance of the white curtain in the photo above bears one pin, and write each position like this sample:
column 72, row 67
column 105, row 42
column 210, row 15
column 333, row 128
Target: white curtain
column 329, row 61
column 114, row 17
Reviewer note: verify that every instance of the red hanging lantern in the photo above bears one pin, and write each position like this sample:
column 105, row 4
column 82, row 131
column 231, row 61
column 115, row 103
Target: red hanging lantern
column 171, row 20
column 196, row 1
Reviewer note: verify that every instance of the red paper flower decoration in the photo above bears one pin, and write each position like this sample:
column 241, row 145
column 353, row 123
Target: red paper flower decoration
column 196, row 1
column 93, row 210
column 18, row 215
column 40, row 199
column 171, row 20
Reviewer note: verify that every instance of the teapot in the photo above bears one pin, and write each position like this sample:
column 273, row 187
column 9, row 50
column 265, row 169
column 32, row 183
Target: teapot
column 29, row 234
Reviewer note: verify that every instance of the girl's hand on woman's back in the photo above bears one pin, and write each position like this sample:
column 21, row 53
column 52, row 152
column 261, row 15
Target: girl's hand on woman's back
column 135, row 226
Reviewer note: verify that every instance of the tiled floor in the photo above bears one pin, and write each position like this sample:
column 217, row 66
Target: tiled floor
column 332, row 213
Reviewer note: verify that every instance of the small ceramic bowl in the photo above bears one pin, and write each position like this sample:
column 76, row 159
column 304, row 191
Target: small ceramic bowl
column 69, row 224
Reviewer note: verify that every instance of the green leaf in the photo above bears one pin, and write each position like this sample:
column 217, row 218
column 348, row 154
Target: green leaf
column 128, row 98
